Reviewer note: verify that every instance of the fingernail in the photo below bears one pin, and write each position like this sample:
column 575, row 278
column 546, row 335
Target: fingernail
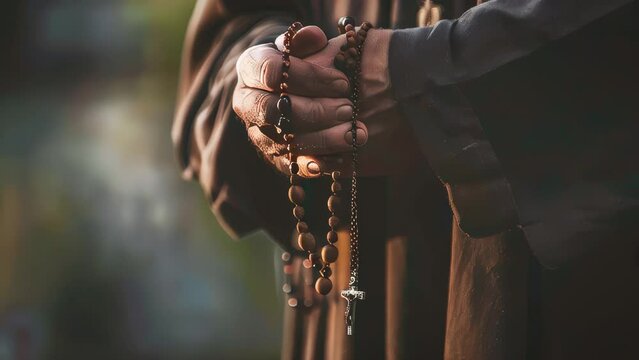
column 361, row 137
column 344, row 113
column 313, row 168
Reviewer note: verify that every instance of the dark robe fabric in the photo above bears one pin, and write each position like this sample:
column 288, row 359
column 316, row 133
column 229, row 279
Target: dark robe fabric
column 514, row 238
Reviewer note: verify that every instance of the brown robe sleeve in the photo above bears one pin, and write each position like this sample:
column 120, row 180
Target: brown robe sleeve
column 211, row 143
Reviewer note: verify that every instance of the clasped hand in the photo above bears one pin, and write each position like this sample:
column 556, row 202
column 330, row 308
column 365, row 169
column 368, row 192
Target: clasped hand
column 321, row 109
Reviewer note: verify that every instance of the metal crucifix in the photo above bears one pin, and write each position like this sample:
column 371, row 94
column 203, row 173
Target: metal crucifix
column 351, row 295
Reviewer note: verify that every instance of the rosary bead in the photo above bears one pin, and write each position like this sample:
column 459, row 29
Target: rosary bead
column 352, row 52
column 362, row 33
column 366, row 25
column 286, row 257
column 298, row 212
column 333, row 221
column 288, row 138
column 349, row 27
column 284, row 105
column 323, row 285
column 336, row 187
column 329, row 253
column 306, row 241
column 307, row 264
column 294, row 168
column 331, row 237
column 285, row 75
column 333, row 203
column 339, row 58
column 292, row 302
column 314, row 258
column 288, row 269
column 343, row 21
column 287, row 64
column 287, row 289
column 302, row 227
column 335, row 175
column 350, row 33
column 350, row 41
column 325, row 272
column 284, row 86
column 296, row 194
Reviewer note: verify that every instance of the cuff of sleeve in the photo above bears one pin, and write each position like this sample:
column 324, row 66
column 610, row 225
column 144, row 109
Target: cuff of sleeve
column 419, row 57
column 451, row 138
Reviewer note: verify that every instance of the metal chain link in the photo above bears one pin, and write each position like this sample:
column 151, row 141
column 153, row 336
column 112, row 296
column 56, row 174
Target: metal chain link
column 354, row 221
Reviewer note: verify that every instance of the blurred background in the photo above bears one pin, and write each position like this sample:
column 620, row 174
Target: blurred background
column 105, row 253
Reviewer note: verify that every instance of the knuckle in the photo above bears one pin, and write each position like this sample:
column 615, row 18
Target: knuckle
column 269, row 71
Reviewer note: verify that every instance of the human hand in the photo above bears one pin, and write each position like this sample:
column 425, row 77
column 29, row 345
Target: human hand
column 321, row 109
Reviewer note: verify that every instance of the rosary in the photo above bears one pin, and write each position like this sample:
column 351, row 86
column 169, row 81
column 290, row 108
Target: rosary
column 349, row 61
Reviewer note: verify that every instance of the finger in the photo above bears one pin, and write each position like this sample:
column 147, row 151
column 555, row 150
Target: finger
column 337, row 139
column 260, row 67
column 312, row 166
column 259, row 107
column 308, row 40
column 265, row 144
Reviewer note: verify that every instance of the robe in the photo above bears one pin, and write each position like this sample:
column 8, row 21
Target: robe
column 513, row 237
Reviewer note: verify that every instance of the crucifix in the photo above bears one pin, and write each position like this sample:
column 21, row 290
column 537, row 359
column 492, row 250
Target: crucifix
column 351, row 295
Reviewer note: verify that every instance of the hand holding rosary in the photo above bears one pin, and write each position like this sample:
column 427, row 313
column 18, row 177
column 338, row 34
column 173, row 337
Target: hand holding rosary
column 349, row 61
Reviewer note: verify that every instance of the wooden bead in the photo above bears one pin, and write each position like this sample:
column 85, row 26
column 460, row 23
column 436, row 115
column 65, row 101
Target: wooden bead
column 298, row 212
column 331, row 237
column 343, row 22
column 314, row 258
column 306, row 241
column 307, row 264
column 292, row 302
column 296, row 194
column 362, row 33
column 329, row 253
column 302, row 227
column 323, row 285
column 349, row 27
column 335, row 175
column 333, row 203
column 333, row 221
column 287, row 288
column 336, row 187
column 350, row 41
column 287, row 64
column 352, row 52
column 294, row 168
column 284, row 86
column 284, row 105
column 325, row 272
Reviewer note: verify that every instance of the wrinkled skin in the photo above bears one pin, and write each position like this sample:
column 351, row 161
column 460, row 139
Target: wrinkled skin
column 321, row 109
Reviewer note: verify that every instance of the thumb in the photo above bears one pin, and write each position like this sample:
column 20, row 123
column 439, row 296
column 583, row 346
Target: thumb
column 308, row 40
